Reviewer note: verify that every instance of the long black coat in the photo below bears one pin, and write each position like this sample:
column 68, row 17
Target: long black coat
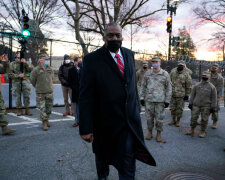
column 109, row 106
column 74, row 82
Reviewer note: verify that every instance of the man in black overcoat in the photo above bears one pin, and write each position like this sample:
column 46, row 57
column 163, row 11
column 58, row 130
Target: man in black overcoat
column 74, row 83
column 109, row 108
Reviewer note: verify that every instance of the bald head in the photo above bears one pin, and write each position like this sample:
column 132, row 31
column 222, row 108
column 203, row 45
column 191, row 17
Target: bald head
column 113, row 37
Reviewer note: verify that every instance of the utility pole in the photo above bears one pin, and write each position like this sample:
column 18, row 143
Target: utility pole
column 171, row 9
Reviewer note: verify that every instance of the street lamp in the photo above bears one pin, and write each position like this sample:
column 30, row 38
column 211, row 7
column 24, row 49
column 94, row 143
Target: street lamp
column 171, row 9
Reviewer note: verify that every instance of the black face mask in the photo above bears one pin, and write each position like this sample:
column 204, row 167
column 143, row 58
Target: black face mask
column 114, row 45
column 80, row 64
column 213, row 71
column 205, row 78
column 144, row 67
column 180, row 68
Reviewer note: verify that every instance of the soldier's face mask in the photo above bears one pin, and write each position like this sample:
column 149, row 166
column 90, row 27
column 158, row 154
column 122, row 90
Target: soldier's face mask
column 47, row 63
column 205, row 78
column 156, row 65
column 213, row 70
column 145, row 67
column 180, row 68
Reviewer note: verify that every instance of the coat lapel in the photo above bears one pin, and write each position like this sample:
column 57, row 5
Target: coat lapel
column 110, row 61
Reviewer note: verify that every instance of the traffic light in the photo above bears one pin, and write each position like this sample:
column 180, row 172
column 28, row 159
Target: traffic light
column 25, row 25
column 169, row 24
column 175, row 41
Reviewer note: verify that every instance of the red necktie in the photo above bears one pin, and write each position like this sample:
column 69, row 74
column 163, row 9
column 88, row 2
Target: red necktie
column 120, row 64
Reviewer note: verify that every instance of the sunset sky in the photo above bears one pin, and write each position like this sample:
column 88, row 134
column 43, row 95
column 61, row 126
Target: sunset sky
column 155, row 36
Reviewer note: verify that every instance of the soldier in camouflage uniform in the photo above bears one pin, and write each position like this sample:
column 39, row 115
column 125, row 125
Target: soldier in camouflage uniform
column 3, row 118
column 155, row 95
column 42, row 79
column 202, row 101
column 139, row 75
column 181, row 88
column 21, row 79
column 217, row 81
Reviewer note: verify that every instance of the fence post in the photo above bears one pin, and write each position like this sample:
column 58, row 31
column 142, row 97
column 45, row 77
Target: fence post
column 10, row 80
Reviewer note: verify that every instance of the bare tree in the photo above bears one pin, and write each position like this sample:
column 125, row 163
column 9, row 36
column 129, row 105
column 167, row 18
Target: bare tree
column 213, row 11
column 93, row 15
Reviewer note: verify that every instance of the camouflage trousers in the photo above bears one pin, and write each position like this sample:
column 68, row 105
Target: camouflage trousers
column 215, row 115
column 17, row 91
column 205, row 113
column 177, row 106
column 154, row 111
column 3, row 117
column 45, row 105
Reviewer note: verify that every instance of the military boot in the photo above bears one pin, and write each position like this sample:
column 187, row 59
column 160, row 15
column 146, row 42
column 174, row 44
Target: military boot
column 158, row 136
column 214, row 126
column 45, row 126
column 202, row 134
column 149, row 135
column 27, row 112
column 19, row 112
column 173, row 122
column 191, row 132
column 178, row 122
column 7, row 131
column 48, row 124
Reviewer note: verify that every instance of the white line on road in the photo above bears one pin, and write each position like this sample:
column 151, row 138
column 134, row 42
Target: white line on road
column 31, row 121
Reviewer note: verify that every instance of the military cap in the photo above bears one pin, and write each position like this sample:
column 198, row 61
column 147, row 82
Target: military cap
column 145, row 63
column 43, row 56
column 156, row 59
column 206, row 73
column 215, row 65
column 181, row 63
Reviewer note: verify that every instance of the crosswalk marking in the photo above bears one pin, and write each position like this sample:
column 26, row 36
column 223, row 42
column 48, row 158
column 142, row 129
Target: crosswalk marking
column 32, row 121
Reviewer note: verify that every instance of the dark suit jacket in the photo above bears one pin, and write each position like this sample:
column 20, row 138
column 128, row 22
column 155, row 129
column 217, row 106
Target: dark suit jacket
column 74, row 82
column 109, row 106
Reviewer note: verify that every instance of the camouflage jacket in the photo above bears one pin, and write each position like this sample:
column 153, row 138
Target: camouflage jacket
column 4, row 66
column 217, row 81
column 204, row 94
column 181, row 83
column 139, row 75
column 156, row 87
column 42, row 79
column 14, row 71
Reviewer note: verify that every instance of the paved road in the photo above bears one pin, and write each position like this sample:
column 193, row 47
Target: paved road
column 60, row 154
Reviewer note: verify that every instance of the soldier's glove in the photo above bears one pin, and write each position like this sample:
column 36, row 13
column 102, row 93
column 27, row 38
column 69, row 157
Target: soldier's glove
column 166, row 104
column 186, row 98
column 142, row 102
column 212, row 110
column 190, row 106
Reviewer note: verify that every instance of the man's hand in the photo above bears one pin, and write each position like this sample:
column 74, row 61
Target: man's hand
column 186, row 98
column 166, row 104
column 23, row 60
column 21, row 75
column 142, row 102
column 190, row 106
column 88, row 137
column 212, row 110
